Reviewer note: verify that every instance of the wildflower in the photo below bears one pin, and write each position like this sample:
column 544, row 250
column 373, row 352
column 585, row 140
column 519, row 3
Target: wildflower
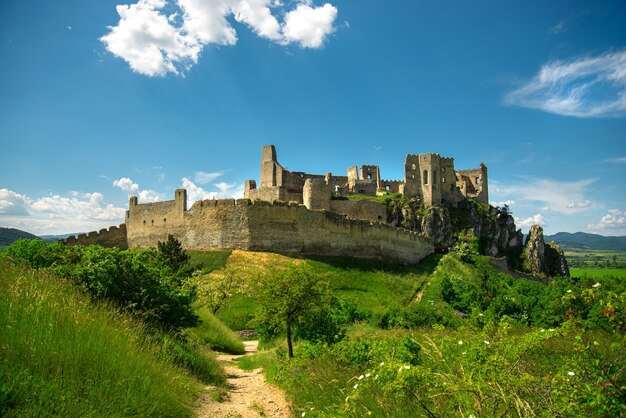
column 480, row 314
column 367, row 375
column 382, row 363
column 304, row 413
column 487, row 342
column 596, row 285
column 400, row 369
column 347, row 397
column 460, row 342
column 551, row 329
column 407, row 367
column 571, row 373
column 361, row 377
column 464, row 352
column 376, row 377
column 356, row 385
column 543, row 330
column 569, row 291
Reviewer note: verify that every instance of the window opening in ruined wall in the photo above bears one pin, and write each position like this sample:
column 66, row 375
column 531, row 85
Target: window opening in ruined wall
column 425, row 176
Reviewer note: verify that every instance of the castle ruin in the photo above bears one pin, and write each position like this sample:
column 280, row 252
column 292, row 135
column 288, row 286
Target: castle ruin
column 300, row 213
column 429, row 177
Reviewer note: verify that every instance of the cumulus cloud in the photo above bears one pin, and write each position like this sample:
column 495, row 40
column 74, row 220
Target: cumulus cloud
column 309, row 26
column 613, row 223
column 551, row 195
column 155, row 43
column 583, row 87
column 12, row 203
column 76, row 212
column 525, row 224
column 503, row 203
column 132, row 189
column 225, row 190
column 203, row 178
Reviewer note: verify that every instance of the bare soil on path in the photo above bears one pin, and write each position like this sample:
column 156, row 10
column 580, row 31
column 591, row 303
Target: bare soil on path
column 250, row 395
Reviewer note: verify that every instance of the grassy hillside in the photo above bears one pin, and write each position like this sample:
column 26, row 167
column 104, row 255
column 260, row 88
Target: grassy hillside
column 9, row 235
column 63, row 355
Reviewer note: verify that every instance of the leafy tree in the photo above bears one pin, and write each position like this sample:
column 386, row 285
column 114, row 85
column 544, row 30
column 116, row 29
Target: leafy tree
column 215, row 289
column 175, row 257
column 292, row 296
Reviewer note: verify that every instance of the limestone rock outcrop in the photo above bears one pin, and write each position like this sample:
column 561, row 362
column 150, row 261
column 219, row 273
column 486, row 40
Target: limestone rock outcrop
column 543, row 259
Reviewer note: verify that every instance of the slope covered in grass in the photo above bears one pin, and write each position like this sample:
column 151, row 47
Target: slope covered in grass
column 62, row 355
column 370, row 288
column 214, row 333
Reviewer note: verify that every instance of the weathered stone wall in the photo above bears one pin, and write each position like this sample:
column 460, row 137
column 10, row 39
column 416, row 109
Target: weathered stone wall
column 474, row 183
column 115, row 236
column 278, row 227
column 360, row 209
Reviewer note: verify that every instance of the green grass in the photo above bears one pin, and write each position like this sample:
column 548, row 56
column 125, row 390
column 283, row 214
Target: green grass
column 214, row 333
column 62, row 355
column 371, row 286
column 210, row 260
column 596, row 259
column 596, row 273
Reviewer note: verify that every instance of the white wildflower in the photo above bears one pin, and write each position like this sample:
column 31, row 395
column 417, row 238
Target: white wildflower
column 487, row 342
column 596, row 285
column 460, row 342
column 356, row 385
column 361, row 377
column 569, row 291
column 571, row 373
column 480, row 314
column 382, row 364
column 543, row 330
column 464, row 352
column 376, row 377
column 304, row 413
column 347, row 397
column 551, row 329
column 407, row 367
column 367, row 375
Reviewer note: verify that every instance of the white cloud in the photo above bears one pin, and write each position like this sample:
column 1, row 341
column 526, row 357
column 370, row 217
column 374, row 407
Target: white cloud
column 583, row 87
column 132, row 189
column 203, row 178
column 525, row 224
column 12, row 203
column 621, row 160
column 155, row 43
column 147, row 40
column 226, row 190
column 89, row 206
column 503, row 203
column 309, row 26
column 613, row 223
column 579, row 205
column 551, row 195
column 195, row 192
column 56, row 214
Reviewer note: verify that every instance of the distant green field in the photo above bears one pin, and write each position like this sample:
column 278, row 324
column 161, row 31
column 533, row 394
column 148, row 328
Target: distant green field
column 589, row 272
column 596, row 259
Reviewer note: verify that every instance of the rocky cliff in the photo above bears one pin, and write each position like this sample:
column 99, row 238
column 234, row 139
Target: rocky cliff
column 494, row 227
column 541, row 258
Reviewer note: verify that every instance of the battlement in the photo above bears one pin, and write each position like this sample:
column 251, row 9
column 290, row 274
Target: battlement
column 114, row 236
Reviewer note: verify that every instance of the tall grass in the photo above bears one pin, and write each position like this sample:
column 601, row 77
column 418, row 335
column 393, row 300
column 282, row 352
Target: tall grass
column 62, row 355
column 214, row 333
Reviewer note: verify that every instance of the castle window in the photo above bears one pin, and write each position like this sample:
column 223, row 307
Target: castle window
column 337, row 189
column 144, row 222
column 477, row 180
column 164, row 219
column 443, row 179
column 425, row 176
column 153, row 222
column 369, row 176
column 413, row 166
column 388, row 187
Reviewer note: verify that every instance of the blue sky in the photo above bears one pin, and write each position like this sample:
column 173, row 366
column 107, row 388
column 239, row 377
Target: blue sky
column 99, row 100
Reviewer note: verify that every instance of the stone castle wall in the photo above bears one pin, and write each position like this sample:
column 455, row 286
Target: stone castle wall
column 276, row 227
column 115, row 236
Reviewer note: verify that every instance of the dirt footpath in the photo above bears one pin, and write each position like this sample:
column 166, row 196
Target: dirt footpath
column 250, row 395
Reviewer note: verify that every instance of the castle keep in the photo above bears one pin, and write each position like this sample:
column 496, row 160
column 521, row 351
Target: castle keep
column 300, row 213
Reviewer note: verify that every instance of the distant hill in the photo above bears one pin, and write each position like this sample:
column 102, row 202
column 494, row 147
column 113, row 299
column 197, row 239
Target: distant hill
column 55, row 238
column 10, row 235
column 584, row 241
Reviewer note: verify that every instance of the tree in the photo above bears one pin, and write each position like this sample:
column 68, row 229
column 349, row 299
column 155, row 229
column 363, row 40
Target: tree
column 216, row 288
column 175, row 257
column 292, row 295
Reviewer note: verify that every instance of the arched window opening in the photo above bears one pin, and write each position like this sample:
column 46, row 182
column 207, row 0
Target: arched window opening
column 425, row 176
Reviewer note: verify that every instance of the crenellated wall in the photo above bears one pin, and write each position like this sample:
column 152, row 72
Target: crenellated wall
column 281, row 227
column 115, row 236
